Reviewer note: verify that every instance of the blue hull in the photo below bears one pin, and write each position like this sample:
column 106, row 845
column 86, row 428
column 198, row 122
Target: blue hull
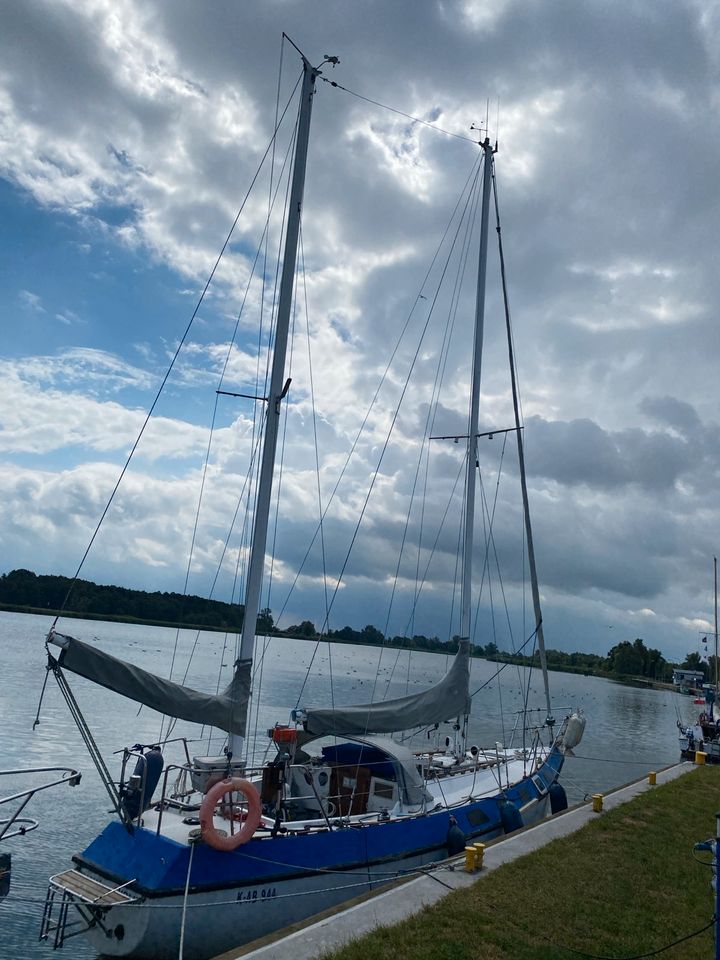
column 159, row 866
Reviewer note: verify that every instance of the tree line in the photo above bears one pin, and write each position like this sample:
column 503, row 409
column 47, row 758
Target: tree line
column 628, row 659
column 25, row 590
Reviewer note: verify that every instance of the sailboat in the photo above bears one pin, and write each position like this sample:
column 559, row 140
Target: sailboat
column 235, row 853
column 702, row 738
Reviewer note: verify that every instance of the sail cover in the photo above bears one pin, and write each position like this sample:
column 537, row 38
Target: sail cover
column 226, row 711
column 447, row 699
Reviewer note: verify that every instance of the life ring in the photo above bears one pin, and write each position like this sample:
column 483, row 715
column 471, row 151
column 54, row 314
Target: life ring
column 207, row 814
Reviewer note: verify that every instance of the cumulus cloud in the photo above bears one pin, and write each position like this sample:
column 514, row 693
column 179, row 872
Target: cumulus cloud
column 31, row 301
column 143, row 124
column 51, row 404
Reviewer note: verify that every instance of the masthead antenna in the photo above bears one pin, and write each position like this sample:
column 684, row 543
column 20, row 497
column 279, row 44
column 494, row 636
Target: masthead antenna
column 334, row 61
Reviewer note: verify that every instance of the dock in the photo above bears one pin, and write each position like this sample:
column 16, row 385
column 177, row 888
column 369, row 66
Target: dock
column 325, row 933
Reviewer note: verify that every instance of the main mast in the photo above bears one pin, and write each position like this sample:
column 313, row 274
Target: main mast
column 472, row 456
column 278, row 387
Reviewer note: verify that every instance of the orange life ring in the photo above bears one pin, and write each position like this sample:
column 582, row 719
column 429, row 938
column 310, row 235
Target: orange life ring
column 207, row 814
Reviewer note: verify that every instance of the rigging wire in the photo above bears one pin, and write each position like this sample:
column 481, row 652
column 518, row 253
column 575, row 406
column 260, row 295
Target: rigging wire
column 442, row 524
column 486, row 519
column 408, row 116
column 256, row 438
column 506, row 664
column 373, row 401
column 259, row 667
column 255, row 446
column 466, row 216
column 258, row 433
column 471, row 208
column 172, row 364
column 317, row 468
column 490, row 539
column 259, row 663
column 206, row 463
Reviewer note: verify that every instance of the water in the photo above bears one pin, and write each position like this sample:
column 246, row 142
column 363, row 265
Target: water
column 629, row 731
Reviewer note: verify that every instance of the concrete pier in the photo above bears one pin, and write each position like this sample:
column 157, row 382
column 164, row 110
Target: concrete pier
column 320, row 935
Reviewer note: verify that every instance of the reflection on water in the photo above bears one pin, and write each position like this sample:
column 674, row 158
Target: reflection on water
column 629, row 731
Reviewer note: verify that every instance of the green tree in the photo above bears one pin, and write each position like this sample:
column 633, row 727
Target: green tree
column 372, row 635
column 627, row 659
column 304, row 629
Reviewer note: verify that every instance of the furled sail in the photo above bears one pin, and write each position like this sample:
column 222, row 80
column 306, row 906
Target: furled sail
column 226, row 710
column 447, row 699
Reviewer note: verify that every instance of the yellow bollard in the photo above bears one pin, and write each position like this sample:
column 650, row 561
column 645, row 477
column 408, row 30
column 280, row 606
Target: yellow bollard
column 700, row 757
column 479, row 855
column 470, row 855
column 652, row 778
column 597, row 800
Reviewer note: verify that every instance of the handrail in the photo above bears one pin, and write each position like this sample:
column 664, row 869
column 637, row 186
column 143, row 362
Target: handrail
column 70, row 776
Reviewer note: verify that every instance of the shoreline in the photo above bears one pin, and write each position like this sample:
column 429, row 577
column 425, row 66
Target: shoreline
column 500, row 658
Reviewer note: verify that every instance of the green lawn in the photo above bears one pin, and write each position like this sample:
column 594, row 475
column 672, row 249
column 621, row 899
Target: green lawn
column 626, row 884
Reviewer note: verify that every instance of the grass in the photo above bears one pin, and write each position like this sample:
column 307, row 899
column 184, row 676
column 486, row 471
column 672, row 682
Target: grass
column 625, row 885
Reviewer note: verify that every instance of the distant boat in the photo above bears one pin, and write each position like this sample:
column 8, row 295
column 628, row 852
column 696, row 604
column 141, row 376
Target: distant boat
column 226, row 853
column 703, row 736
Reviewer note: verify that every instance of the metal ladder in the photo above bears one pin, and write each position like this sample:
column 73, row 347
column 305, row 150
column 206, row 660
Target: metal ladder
column 88, row 896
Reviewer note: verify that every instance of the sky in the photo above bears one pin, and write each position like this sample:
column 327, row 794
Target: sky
column 130, row 134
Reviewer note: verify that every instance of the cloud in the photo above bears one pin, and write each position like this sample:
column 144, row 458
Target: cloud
column 31, row 301
column 141, row 125
column 50, row 407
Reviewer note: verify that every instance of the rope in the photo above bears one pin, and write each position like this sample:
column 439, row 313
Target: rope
column 383, row 378
column 408, row 116
column 184, row 904
column 467, row 217
column 317, row 469
column 500, row 670
column 173, row 361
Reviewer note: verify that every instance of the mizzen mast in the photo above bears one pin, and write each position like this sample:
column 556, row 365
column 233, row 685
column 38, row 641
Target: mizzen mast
column 472, row 452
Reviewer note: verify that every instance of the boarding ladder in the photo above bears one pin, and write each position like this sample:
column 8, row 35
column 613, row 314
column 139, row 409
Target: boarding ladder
column 88, row 896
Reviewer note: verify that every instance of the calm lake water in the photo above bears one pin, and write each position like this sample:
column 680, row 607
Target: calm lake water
column 629, row 731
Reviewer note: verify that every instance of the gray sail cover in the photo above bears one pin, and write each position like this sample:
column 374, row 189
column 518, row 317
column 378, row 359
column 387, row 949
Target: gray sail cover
column 226, row 711
column 446, row 700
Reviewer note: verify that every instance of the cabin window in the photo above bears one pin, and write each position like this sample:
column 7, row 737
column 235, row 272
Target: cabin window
column 540, row 784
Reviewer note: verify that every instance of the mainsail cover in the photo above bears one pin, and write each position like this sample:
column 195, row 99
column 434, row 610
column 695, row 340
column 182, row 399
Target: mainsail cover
column 447, row 699
column 226, row 711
